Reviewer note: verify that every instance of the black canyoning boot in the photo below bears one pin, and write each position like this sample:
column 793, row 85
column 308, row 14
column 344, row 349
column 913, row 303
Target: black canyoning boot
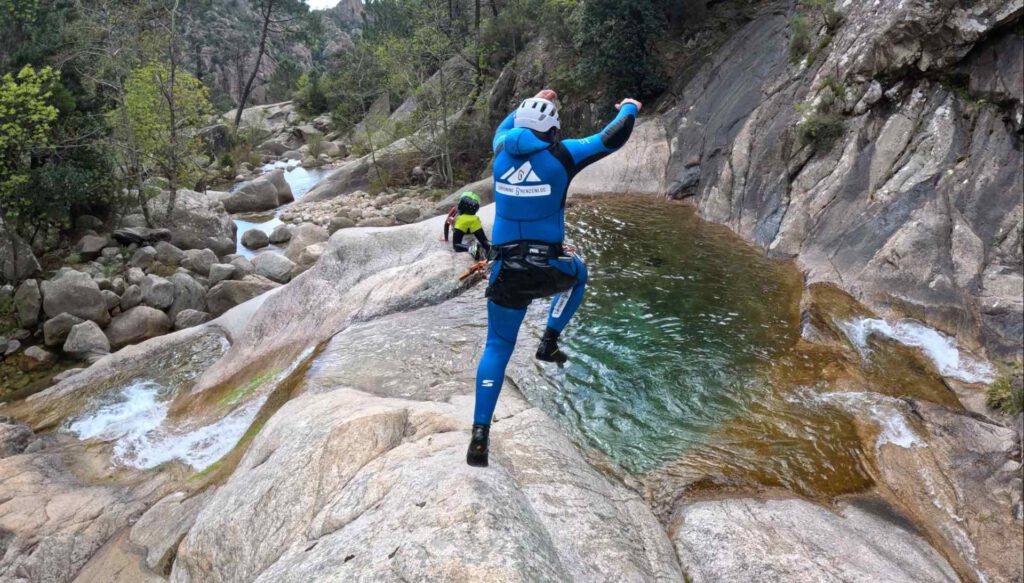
column 477, row 454
column 548, row 350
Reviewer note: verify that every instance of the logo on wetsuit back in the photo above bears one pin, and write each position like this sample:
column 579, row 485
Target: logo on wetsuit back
column 515, row 177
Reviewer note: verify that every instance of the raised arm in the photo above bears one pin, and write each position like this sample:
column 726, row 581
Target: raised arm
column 503, row 128
column 586, row 151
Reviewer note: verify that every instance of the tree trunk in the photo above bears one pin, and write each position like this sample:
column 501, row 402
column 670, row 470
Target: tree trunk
column 479, row 73
column 267, row 14
column 172, row 117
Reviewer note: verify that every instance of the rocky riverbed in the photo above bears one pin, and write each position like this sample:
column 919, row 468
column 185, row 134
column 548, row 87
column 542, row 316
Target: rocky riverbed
column 307, row 374
column 816, row 414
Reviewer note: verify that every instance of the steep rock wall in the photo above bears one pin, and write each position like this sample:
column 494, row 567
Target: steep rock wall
column 916, row 208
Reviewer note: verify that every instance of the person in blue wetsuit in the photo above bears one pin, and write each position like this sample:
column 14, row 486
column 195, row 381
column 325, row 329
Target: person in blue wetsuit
column 532, row 171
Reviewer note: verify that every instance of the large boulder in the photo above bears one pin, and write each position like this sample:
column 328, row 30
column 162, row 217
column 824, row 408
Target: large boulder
column 131, row 297
column 398, row 502
column 284, row 190
column 168, row 254
column 157, row 292
column 77, row 294
column 112, row 299
column 199, row 260
column 56, row 329
column 135, row 325
column 221, row 271
column 396, row 159
column 28, row 301
column 143, row 257
column 140, row 235
column 88, row 223
column 255, row 239
column 270, row 118
column 198, row 222
column 189, row 294
column 17, row 261
column 90, row 246
column 257, row 195
column 243, row 267
column 36, row 358
column 216, row 138
column 340, row 222
column 796, row 541
column 189, row 318
column 303, row 236
column 273, row 147
column 229, row 293
column 407, row 213
column 273, row 266
column 86, row 341
column 281, row 234
column 309, row 256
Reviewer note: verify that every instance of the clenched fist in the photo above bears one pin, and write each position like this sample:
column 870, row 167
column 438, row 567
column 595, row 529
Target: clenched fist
column 638, row 105
column 548, row 94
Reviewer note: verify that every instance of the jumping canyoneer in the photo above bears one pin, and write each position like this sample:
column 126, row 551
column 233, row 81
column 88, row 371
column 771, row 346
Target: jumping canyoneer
column 533, row 167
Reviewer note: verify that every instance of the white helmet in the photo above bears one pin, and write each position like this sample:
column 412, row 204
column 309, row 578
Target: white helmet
column 537, row 114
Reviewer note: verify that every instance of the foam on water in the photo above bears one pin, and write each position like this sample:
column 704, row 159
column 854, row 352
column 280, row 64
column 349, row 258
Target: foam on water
column 885, row 412
column 136, row 421
column 139, row 407
column 941, row 349
column 197, row 447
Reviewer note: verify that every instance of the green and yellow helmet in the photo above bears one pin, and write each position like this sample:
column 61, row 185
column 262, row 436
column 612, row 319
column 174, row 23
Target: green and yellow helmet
column 469, row 203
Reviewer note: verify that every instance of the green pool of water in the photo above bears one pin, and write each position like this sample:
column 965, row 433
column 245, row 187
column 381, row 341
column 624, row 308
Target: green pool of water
column 679, row 322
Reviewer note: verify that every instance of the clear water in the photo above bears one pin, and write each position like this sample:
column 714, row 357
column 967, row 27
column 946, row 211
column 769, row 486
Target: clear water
column 679, row 320
column 300, row 179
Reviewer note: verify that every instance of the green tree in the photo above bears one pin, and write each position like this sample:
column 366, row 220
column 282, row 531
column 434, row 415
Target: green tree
column 284, row 80
column 277, row 17
column 26, row 119
column 617, row 44
column 159, row 131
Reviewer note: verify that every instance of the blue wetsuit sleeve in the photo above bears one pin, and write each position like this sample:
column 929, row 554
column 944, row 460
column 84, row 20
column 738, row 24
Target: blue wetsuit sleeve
column 586, row 151
column 503, row 128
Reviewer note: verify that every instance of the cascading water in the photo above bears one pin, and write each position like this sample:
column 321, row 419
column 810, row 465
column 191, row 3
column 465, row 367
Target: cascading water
column 300, row 179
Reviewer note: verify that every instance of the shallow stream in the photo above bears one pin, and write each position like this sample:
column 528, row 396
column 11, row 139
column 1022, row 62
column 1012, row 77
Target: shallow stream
column 300, row 179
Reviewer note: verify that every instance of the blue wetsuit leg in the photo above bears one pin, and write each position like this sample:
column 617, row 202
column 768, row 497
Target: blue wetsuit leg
column 564, row 306
column 502, row 329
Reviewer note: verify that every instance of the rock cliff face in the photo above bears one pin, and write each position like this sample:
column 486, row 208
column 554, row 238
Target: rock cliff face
column 916, row 206
column 224, row 34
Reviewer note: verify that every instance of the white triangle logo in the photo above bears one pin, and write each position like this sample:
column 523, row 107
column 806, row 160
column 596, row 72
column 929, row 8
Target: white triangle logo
column 524, row 173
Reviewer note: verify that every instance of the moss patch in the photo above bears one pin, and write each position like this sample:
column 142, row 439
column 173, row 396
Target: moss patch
column 237, row 394
column 1006, row 394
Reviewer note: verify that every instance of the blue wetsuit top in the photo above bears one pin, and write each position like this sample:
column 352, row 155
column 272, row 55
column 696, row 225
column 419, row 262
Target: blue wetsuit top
column 532, row 175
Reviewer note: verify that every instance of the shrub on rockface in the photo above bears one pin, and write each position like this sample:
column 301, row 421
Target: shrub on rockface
column 1006, row 394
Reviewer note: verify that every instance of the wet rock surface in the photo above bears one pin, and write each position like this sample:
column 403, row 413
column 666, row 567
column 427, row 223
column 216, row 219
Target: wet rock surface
column 963, row 483
column 794, row 540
